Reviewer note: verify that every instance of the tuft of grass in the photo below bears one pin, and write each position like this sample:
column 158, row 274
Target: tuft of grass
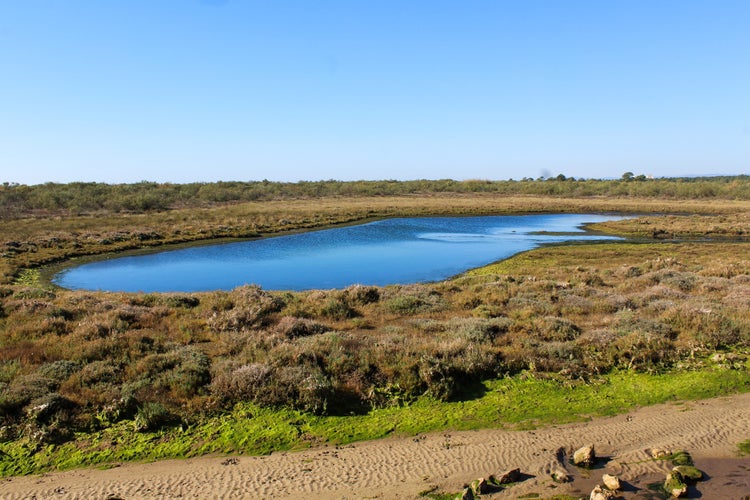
column 744, row 447
column 28, row 277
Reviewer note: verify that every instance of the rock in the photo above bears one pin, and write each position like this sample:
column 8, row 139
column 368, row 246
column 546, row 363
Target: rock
column 584, row 457
column 466, row 495
column 480, row 486
column 689, row 472
column 559, row 475
column 658, row 453
column 509, row 476
column 611, row 482
column 599, row 493
column 675, row 485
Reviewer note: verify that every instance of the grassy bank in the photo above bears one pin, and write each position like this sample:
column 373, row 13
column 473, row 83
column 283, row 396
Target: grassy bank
column 522, row 401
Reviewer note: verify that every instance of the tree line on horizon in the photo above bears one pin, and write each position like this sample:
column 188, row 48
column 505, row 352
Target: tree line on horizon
column 78, row 198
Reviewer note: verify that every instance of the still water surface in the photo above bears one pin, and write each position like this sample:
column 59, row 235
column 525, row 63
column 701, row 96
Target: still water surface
column 406, row 250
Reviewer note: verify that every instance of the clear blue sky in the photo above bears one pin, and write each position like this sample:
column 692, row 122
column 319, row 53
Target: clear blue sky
column 191, row 90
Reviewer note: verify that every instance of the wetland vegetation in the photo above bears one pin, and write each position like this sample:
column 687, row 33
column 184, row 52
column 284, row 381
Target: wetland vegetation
column 553, row 334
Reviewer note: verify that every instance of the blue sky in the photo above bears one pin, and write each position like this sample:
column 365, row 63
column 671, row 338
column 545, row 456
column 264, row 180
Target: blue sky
column 191, row 90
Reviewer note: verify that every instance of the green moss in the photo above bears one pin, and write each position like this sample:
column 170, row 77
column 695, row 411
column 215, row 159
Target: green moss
column 744, row 447
column 510, row 403
column 674, row 483
column 441, row 496
column 680, row 458
column 28, row 277
column 689, row 472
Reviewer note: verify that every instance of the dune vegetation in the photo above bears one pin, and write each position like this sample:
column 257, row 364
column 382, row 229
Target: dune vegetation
column 549, row 335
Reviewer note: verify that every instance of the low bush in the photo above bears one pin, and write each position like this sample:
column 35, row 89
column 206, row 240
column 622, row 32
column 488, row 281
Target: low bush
column 251, row 308
column 479, row 330
column 361, row 295
column 241, row 383
column 291, row 327
column 186, row 301
column 404, row 305
column 152, row 416
column 337, row 308
column 58, row 371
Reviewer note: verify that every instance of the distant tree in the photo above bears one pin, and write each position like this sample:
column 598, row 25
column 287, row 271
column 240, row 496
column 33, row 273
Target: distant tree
column 628, row 176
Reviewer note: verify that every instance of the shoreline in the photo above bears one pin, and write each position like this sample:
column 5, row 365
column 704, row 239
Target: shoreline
column 579, row 233
column 405, row 467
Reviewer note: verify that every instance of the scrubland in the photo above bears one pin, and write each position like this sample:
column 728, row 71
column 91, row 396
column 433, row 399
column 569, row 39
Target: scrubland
column 558, row 332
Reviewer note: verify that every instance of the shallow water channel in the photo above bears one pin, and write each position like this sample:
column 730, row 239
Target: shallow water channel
column 403, row 250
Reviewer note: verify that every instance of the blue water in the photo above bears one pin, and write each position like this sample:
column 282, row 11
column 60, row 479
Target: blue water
column 379, row 253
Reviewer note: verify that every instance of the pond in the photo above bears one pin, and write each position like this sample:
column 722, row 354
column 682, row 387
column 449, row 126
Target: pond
column 391, row 251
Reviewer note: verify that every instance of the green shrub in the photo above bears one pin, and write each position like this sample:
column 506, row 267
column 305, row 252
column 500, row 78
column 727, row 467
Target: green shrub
column 361, row 295
column 185, row 301
column 122, row 408
column 99, row 372
column 304, row 387
column 192, row 373
column 478, row 329
column 314, row 389
column 184, row 370
column 488, row 311
column 58, row 371
column 21, row 391
column 291, row 327
column 404, row 305
column 557, row 330
column 252, row 308
column 61, row 312
column 337, row 309
column 9, row 369
column 243, row 383
column 440, row 379
column 153, row 416
column 45, row 409
column 644, row 351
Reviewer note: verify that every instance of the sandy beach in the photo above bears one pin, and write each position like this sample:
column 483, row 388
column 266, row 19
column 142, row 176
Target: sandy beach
column 404, row 467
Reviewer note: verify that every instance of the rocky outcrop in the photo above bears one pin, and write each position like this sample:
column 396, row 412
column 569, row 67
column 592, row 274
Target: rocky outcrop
column 584, row 457
column 599, row 493
column 559, row 474
column 480, row 486
column 611, row 482
column 675, row 484
column 507, row 477
column 466, row 494
column 659, row 454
